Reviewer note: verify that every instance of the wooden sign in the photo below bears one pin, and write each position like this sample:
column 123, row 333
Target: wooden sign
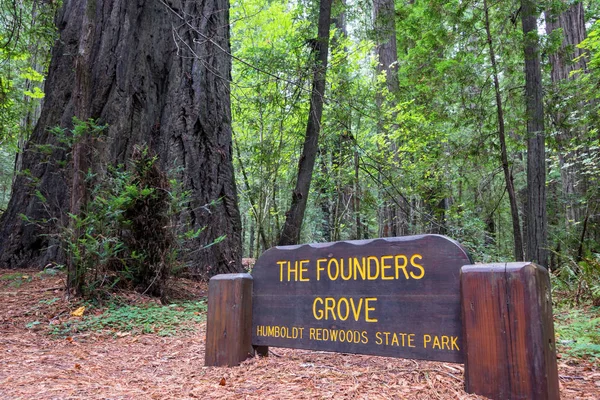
column 395, row 297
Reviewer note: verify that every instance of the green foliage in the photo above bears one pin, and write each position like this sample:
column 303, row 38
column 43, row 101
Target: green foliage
column 592, row 45
column 269, row 105
column 16, row 279
column 433, row 144
column 27, row 33
column 125, row 230
column 119, row 319
column 578, row 331
column 125, row 233
column 579, row 281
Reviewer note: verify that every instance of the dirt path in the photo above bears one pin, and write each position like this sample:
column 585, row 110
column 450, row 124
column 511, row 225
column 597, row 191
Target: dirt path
column 34, row 365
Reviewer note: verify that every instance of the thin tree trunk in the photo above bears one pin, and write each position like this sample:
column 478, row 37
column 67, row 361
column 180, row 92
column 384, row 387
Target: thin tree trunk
column 343, row 134
column 290, row 233
column 80, row 153
column 536, row 217
column 251, row 239
column 256, row 213
column 326, row 208
column 393, row 210
column 514, row 209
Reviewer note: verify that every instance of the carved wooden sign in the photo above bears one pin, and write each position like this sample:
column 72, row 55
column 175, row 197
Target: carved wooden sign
column 395, row 297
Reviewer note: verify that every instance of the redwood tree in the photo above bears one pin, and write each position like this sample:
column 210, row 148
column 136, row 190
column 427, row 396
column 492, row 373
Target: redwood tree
column 569, row 133
column 157, row 73
column 394, row 215
column 536, row 218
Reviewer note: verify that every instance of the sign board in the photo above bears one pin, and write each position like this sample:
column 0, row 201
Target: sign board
column 395, row 297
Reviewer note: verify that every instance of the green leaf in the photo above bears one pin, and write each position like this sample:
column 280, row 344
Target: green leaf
column 32, row 75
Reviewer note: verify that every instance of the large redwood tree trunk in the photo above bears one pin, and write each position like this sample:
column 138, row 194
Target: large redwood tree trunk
column 157, row 73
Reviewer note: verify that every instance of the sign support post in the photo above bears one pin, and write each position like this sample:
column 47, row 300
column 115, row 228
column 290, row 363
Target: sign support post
column 508, row 332
column 229, row 320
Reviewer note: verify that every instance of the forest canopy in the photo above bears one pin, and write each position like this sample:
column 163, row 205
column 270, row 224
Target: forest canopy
column 473, row 119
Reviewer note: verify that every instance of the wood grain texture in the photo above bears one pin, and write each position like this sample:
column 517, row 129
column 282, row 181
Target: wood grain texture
column 229, row 320
column 415, row 318
column 508, row 335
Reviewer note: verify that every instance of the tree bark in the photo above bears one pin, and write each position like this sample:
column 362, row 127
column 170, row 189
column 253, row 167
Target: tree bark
column 394, row 215
column 290, row 234
column 328, row 211
column 514, row 209
column 572, row 23
column 157, row 73
column 566, row 60
column 536, row 217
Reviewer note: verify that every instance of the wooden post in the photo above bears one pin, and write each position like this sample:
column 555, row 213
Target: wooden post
column 508, row 331
column 229, row 320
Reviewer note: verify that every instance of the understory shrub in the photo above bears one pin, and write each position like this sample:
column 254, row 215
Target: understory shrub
column 125, row 233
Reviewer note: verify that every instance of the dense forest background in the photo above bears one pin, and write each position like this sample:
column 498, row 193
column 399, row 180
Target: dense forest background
column 474, row 119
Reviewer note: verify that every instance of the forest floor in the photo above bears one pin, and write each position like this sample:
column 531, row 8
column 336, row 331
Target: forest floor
column 36, row 362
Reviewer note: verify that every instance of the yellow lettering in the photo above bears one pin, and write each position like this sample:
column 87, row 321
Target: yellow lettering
column 349, row 269
column 343, row 317
column 360, row 268
column 436, row 342
column 281, row 264
column 395, row 340
column 453, row 342
column 292, row 271
column 342, row 308
column 426, row 339
column 403, row 335
column 334, row 334
column 329, row 306
column 378, row 338
column 385, row 267
column 317, row 313
column 367, row 309
column 280, row 331
column 356, row 311
column 303, row 270
column 364, row 338
column 445, row 342
column 370, row 276
column 418, row 266
column 311, row 334
column 319, row 268
column 401, row 266
column 411, row 340
column 337, row 269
